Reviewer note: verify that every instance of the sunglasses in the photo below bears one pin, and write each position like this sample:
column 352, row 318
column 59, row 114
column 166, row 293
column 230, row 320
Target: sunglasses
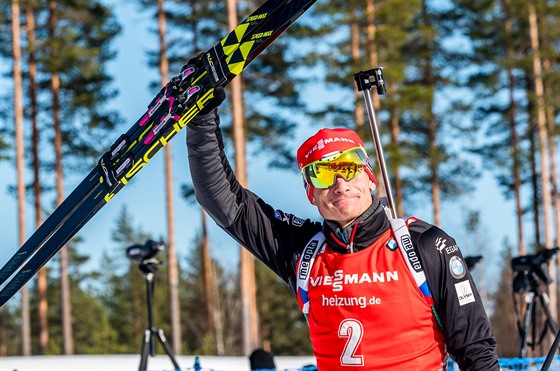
column 322, row 174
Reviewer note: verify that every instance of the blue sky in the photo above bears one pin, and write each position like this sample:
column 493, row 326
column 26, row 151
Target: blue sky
column 144, row 197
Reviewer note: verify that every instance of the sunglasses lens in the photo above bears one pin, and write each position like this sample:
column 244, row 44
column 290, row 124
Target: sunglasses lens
column 322, row 174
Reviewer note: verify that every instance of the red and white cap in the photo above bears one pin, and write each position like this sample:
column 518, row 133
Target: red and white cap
column 327, row 143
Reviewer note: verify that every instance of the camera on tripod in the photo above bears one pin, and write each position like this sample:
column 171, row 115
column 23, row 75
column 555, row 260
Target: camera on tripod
column 146, row 255
column 143, row 252
column 529, row 272
column 529, row 269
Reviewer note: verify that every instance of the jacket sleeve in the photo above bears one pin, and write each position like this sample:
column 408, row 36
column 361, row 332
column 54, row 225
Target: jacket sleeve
column 466, row 327
column 272, row 236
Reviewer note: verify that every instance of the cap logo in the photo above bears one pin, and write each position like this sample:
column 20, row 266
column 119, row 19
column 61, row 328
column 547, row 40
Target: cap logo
column 321, row 143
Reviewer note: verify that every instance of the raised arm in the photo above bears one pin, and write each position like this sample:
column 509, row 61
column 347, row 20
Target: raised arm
column 274, row 237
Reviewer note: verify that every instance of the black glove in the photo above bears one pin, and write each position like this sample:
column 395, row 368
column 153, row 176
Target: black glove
column 219, row 97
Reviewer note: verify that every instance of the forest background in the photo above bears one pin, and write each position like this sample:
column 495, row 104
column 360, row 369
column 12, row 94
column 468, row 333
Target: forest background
column 472, row 92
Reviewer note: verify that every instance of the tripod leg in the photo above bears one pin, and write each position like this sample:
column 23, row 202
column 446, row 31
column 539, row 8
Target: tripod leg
column 167, row 348
column 526, row 321
column 534, row 326
column 145, row 350
column 549, row 319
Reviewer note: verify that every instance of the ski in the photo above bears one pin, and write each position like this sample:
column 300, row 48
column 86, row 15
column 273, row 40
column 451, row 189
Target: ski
column 242, row 33
column 171, row 110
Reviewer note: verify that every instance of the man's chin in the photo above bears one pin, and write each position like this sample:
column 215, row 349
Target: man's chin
column 347, row 212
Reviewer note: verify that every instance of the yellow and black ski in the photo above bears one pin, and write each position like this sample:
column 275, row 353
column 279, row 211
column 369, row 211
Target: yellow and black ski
column 172, row 109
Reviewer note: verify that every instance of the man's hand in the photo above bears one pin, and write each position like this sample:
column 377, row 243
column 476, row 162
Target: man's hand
column 219, row 97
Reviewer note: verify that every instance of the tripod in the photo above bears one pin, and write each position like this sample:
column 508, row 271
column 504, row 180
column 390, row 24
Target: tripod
column 148, row 268
column 528, row 282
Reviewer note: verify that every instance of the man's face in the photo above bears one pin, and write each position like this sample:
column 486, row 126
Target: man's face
column 345, row 200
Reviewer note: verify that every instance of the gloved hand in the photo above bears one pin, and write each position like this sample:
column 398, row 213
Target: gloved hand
column 219, row 97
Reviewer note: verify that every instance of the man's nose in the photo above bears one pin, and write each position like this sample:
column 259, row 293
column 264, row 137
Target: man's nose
column 340, row 184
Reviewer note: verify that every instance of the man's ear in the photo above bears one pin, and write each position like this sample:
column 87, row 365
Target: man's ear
column 312, row 200
column 311, row 196
column 372, row 186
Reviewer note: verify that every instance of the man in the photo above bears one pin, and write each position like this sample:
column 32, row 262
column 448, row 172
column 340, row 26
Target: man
column 363, row 307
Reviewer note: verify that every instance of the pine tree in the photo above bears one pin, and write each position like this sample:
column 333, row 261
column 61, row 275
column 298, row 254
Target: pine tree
column 91, row 329
column 426, row 127
column 125, row 294
column 500, row 42
column 162, row 61
column 77, row 76
column 10, row 330
column 18, row 120
column 503, row 320
column 199, row 338
column 284, row 329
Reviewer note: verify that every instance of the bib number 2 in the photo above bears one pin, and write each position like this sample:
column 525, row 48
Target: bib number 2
column 352, row 330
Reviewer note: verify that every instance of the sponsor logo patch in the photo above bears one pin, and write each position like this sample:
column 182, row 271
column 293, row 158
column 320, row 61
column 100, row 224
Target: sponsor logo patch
column 440, row 244
column 464, row 292
column 321, row 143
column 297, row 222
column 456, row 267
column 392, row 245
column 411, row 253
column 305, row 261
column 288, row 218
column 339, row 279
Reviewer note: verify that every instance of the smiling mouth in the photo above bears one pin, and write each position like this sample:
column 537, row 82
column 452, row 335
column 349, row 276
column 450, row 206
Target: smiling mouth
column 343, row 199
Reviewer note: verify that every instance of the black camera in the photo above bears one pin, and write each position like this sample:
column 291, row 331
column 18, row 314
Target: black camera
column 529, row 262
column 529, row 269
column 471, row 261
column 147, row 251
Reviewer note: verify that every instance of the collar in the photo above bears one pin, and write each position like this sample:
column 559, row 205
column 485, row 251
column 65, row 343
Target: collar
column 361, row 233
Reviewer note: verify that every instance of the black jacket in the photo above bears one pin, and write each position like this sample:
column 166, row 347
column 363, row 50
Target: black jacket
column 277, row 239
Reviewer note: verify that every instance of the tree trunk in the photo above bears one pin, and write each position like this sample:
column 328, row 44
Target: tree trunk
column 266, row 333
column 355, row 40
column 399, row 194
column 434, row 170
column 371, row 30
column 534, row 181
column 432, row 127
column 41, row 284
column 208, row 282
column 541, row 124
column 553, row 181
column 543, row 140
column 249, row 314
column 20, row 167
column 513, row 132
column 66, row 306
column 171, row 251
column 217, row 315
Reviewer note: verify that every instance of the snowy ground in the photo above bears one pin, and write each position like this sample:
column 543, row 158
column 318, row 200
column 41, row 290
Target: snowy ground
column 131, row 363
column 163, row 363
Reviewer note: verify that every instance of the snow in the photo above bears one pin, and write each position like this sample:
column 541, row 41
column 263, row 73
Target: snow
column 131, row 362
